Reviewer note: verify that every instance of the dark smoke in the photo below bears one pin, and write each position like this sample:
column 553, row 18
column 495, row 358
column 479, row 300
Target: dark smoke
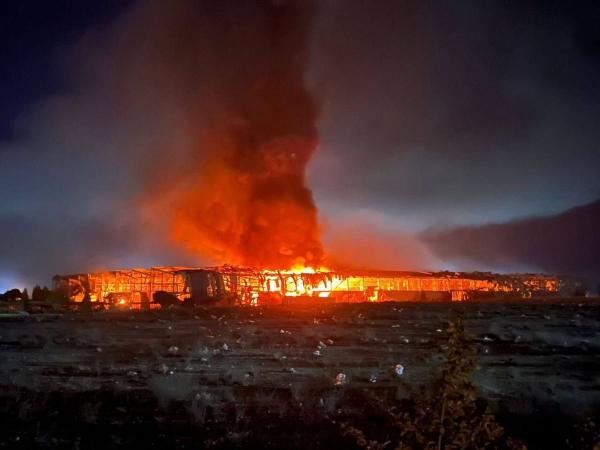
column 243, row 198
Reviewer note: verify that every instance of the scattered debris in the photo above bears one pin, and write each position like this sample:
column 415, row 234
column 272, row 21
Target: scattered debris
column 340, row 379
column 399, row 369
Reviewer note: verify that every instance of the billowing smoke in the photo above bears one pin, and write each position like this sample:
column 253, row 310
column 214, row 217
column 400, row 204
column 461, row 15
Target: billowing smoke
column 242, row 198
column 365, row 240
column 230, row 185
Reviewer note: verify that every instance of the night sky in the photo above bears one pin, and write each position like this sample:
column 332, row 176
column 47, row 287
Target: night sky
column 460, row 135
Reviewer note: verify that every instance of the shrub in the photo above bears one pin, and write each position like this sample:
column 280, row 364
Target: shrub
column 445, row 415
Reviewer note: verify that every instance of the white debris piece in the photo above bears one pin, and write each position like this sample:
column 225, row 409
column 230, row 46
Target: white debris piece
column 225, row 347
column 317, row 353
column 340, row 379
column 399, row 369
column 321, row 345
column 173, row 349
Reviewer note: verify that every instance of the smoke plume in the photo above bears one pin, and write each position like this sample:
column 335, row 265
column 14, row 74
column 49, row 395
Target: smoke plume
column 243, row 198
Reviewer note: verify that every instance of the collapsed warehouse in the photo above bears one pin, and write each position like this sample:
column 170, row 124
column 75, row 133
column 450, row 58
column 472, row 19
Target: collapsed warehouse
column 142, row 288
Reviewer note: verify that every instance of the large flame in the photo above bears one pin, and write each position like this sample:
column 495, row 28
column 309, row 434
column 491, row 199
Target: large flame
column 258, row 213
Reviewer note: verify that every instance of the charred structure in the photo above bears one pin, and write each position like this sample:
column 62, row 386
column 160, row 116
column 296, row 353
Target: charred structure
column 139, row 288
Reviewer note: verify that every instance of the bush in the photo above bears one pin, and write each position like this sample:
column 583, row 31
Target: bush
column 445, row 415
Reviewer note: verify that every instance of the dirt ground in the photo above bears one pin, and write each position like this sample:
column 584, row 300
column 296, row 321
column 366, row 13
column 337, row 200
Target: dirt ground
column 188, row 379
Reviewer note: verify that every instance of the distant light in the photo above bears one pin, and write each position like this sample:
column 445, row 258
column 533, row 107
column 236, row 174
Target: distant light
column 8, row 281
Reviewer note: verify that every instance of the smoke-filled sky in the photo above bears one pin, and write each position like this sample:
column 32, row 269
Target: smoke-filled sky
column 430, row 121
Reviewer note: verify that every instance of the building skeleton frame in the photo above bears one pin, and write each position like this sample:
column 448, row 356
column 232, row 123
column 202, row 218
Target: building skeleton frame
column 136, row 287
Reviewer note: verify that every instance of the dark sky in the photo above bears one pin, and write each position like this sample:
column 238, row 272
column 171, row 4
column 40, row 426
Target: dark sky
column 436, row 120
column 32, row 35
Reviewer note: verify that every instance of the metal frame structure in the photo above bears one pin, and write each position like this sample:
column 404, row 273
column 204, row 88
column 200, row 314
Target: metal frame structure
column 136, row 288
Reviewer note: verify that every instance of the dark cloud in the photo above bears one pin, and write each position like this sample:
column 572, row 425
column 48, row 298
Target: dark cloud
column 566, row 243
column 458, row 111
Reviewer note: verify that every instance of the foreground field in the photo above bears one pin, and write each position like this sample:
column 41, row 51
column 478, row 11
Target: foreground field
column 200, row 379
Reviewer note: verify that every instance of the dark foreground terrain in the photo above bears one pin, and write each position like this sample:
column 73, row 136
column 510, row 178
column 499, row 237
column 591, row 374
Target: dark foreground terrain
column 266, row 377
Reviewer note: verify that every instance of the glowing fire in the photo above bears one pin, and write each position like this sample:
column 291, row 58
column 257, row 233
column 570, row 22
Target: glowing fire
column 136, row 288
column 299, row 281
column 380, row 286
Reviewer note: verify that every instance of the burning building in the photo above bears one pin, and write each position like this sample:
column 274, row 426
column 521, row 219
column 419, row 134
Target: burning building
column 232, row 184
column 142, row 288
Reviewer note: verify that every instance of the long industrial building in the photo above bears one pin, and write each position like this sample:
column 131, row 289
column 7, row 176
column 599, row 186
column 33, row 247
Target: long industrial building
column 139, row 288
